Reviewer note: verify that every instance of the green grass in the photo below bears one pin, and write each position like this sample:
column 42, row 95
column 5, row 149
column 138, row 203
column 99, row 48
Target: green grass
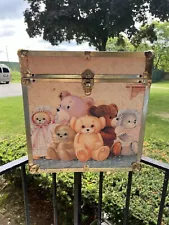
column 157, row 124
column 11, row 117
column 16, row 77
column 161, row 84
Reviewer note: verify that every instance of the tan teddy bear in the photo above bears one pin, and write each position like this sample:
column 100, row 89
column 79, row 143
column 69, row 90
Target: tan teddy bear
column 62, row 146
column 88, row 141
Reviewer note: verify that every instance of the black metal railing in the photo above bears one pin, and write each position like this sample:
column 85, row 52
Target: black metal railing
column 77, row 190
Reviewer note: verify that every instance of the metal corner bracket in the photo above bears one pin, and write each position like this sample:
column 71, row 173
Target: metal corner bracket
column 22, row 53
column 33, row 168
column 136, row 166
column 149, row 55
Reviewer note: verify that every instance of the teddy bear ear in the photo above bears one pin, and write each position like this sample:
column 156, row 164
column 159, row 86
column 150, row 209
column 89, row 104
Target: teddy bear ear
column 89, row 101
column 56, row 128
column 114, row 107
column 93, row 111
column 64, row 94
column 97, row 111
column 102, row 122
column 73, row 122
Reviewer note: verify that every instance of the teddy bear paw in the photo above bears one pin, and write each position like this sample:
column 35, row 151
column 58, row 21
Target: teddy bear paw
column 82, row 155
column 117, row 148
column 51, row 154
column 103, row 153
column 36, row 157
column 134, row 147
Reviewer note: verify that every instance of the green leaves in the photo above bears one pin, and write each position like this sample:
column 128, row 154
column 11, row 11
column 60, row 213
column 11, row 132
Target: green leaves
column 11, row 149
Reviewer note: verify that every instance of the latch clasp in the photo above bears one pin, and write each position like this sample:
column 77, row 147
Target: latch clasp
column 87, row 81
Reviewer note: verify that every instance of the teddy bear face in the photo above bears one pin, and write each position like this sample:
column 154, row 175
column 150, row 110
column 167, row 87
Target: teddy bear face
column 64, row 133
column 87, row 124
column 73, row 105
column 70, row 106
column 107, row 111
column 41, row 118
column 128, row 119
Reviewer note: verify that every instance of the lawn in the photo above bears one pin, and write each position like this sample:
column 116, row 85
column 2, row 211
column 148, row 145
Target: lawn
column 157, row 125
column 161, row 84
column 11, row 117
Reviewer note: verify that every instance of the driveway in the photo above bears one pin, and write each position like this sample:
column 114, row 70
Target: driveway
column 9, row 90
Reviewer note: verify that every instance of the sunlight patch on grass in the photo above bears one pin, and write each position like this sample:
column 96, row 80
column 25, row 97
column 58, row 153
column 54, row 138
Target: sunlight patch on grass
column 161, row 84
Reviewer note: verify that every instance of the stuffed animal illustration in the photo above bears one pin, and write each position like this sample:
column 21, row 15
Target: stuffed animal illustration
column 62, row 147
column 72, row 106
column 41, row 122
column 88, row 141
column 127, row 130
column 109, row 112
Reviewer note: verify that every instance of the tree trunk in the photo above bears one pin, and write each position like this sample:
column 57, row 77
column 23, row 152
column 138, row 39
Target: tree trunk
column 102, row 47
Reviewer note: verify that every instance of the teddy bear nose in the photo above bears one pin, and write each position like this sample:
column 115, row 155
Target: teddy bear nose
column 87, row 129
column 58, row 110
column 61, row 136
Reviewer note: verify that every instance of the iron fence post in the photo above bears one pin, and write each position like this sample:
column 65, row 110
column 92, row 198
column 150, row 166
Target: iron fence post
column 77, row 198
column 55, row 215
column 100, row 199
column 126, row 210
column 164, row 191
column 25, row 195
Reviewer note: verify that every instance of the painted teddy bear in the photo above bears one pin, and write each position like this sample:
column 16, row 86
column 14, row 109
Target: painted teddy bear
column 62, row 146
column 72, row 106
column 127, row 129
column 88, row 141
column 109, row 112
column 41, row 122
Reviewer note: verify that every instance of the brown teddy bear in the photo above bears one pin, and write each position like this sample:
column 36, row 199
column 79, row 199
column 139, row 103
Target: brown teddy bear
column 109, row 112
column 88, row 141
column 62, row 146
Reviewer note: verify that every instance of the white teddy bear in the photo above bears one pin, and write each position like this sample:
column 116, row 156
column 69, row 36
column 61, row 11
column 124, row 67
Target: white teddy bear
column 127, row 130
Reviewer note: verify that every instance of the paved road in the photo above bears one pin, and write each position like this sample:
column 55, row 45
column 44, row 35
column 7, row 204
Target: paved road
column 8, row 90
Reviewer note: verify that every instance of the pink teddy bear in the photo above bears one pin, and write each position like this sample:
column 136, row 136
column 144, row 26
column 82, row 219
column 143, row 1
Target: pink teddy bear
column 72, row 106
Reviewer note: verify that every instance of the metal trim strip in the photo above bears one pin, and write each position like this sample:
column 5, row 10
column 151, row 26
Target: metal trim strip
column 27, row 121
column 78, row 76
column 84, row 53
column 143, row 122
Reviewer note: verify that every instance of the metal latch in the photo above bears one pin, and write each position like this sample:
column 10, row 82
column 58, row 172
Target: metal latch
column 87, row 81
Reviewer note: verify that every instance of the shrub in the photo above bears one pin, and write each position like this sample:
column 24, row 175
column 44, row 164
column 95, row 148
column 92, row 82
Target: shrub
column 12, row 148
column 145, row 194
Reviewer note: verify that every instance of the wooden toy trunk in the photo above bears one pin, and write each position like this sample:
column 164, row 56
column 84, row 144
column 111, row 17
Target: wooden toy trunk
column 85, row 111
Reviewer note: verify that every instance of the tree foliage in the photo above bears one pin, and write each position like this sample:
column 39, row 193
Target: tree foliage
column 155, row 37
column 90, row 20
column 161, row 45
